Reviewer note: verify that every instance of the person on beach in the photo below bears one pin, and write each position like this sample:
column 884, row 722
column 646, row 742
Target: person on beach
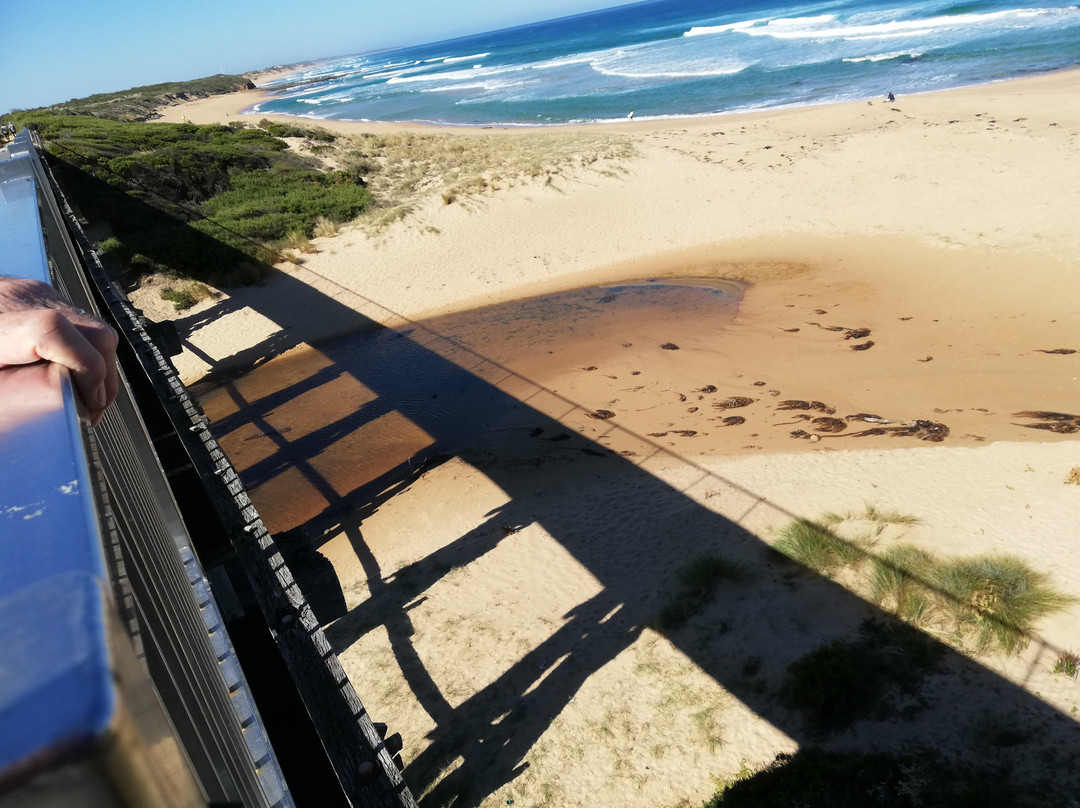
column 890, row 97
column 631, row 115
column 38, row 325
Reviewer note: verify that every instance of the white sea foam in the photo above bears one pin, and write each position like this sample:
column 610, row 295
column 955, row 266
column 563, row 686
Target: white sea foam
column 713, row 67
column 576, row 59
column 796, row 22
column 896, row 35
column 704, row 30
column 884, row 57
column 651, row 60
column 812, row 28
column 458, row 75
column 491, row 86
column 451, row 59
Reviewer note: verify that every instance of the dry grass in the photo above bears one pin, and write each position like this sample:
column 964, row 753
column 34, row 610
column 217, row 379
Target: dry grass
column 1074, row 476
column 298, row 241
column 404, row 168
column 324, row 228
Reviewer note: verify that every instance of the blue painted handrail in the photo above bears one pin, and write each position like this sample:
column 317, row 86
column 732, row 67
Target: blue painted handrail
column 56, row 682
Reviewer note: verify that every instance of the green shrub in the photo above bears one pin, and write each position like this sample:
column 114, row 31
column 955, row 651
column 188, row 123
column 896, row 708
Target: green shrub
column 181, row 299
column 291, row 130
column 195, row 201
column 111, row 245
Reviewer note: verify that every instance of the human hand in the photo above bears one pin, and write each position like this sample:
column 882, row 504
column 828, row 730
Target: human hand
column 37, row 324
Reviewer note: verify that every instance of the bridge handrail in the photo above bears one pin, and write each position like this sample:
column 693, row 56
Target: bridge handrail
column 56, row 683
column 76, row 694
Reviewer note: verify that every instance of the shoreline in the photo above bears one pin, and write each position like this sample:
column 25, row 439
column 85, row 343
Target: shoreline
column 217, row 108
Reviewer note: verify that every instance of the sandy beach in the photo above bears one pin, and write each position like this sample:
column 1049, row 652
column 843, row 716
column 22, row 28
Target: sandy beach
column 912, row 261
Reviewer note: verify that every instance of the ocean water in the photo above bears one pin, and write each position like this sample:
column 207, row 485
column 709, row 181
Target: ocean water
column 673, row 58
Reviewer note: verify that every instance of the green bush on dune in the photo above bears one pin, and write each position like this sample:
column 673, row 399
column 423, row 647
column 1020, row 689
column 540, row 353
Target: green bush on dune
column 206, row 202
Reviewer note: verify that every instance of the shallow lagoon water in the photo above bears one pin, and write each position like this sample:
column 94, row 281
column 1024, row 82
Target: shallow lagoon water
column 312, row 430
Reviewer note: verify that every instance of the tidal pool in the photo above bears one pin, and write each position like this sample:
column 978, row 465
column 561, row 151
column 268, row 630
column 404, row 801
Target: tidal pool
column 335, row 425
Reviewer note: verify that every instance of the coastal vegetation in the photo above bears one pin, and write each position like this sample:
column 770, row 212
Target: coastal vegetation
column 404, row 168
column 220, row 204
column 924, row 777
column 211, row 203
column 698, row 581
column 1067, row 664
column 814, row 545
column 840, row 681
column 989, row 602
column 143, row 103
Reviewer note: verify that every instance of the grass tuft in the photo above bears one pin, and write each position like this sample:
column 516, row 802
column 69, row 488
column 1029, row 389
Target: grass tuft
column 299, row 241
column 698, row 581
column 898, row 582
column 814, row 545
column 1068, row 664
column 996, row 597
column 324, row 227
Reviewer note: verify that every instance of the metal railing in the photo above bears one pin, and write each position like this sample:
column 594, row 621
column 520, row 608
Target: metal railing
column 118, row 681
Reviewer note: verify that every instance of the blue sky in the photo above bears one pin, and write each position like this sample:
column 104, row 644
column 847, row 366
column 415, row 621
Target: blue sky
column 55, row 50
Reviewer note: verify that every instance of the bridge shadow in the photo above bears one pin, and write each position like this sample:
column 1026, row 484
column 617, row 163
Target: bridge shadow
column 639, row 531
column 621, row 518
